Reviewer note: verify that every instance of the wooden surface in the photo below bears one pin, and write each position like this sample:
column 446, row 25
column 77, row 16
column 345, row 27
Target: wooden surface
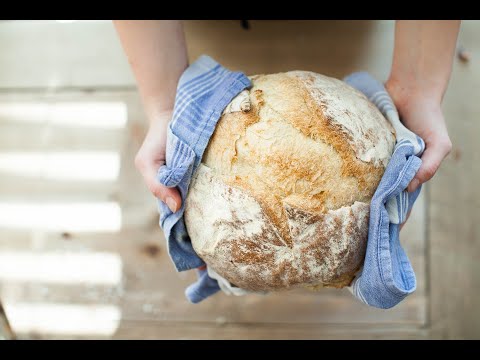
column 149, row 294
column 121, row 284
column 454, row 211
column 82, row 54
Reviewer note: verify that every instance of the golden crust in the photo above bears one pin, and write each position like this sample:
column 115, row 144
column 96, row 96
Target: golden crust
column 289, row 157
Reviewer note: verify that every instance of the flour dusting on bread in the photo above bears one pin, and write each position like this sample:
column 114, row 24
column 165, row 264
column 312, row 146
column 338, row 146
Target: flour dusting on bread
column 282, row 196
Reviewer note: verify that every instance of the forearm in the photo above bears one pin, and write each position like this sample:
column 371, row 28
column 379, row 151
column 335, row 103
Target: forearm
column 422, row 60
column 421, row 67
column 157, row 55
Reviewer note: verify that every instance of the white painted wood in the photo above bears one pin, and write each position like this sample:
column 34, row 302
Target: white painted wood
column 48, row 54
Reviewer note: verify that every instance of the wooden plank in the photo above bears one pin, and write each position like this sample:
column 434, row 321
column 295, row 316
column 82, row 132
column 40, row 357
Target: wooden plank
column 454, row 225
column 149, row 282
column 34, row 137
column 221, row 331
column 334, row 48
column 150, row 330
column 94, row 58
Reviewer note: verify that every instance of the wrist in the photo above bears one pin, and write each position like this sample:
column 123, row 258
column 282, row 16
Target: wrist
column 159, row 116
column 408, row 96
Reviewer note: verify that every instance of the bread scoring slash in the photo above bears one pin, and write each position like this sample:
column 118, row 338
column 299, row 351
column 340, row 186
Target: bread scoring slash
column 282, row 196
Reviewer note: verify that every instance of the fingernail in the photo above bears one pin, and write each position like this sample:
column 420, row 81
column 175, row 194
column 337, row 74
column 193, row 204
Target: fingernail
column 172, row 205
column 413, row 185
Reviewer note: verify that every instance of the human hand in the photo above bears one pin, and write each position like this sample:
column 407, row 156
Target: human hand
column 151, row 156
column 423, row 115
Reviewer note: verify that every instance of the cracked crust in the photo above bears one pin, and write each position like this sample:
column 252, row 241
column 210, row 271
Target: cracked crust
column 282, row 196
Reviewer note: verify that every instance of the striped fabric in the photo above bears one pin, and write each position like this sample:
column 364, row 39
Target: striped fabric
column 387, row 276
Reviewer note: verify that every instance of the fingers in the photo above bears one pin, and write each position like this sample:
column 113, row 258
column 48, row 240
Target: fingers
column 436, row 150
column 170, row 196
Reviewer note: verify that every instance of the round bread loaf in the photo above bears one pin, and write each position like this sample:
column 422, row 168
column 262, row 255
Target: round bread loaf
column 282, row 195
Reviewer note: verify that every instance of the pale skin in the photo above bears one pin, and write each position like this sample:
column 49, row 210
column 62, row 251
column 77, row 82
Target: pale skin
column 422, row 63
column 157, row 54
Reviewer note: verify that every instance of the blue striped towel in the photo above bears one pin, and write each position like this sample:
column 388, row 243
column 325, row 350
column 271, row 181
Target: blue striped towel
column 387, row 276
column 203, row 92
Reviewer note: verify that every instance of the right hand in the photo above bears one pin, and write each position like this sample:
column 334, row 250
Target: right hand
column 423, row 115
column 151, row 156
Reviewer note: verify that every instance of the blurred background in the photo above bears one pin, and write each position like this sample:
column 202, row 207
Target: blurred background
column 81, row 252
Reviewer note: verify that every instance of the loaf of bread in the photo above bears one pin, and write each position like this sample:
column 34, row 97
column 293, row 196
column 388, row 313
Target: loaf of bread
column 282, row 195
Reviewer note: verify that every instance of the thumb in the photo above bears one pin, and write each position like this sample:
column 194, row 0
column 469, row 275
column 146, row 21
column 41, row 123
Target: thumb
column 433, row 156
column 168, row 195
